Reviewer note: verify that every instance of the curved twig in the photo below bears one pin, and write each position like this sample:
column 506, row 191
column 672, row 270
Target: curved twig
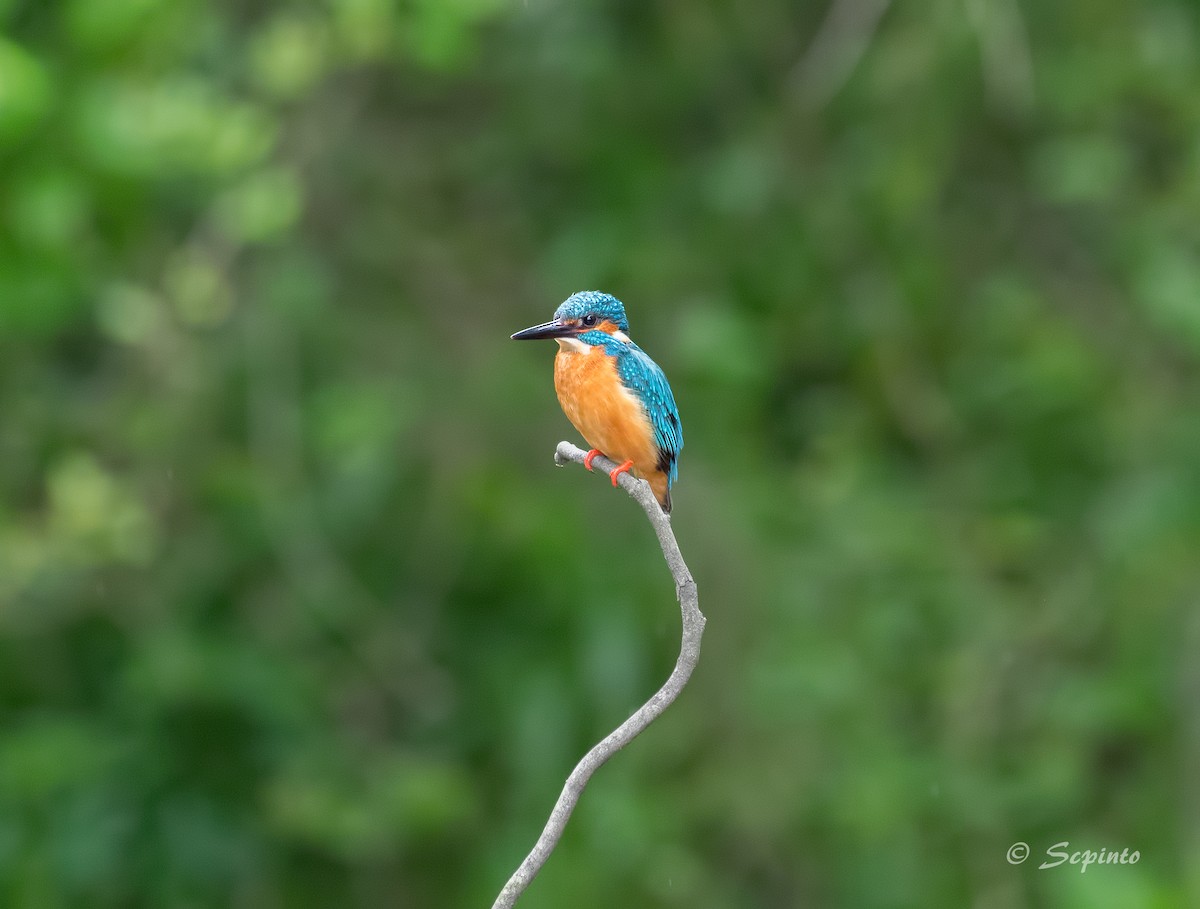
column 689, row 654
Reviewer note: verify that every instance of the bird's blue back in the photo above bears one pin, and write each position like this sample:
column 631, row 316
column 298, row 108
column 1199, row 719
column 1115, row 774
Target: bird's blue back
column 644, row 378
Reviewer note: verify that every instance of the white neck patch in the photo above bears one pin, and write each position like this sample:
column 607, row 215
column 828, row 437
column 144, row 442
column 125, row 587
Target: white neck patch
column 572, row 344
column 621, row 336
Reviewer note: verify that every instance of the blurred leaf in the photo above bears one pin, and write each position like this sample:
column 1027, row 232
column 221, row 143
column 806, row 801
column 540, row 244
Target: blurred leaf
column 129, row 313
column 365, row 27
column 25, row 91
column 289, row 55
column 37, row 297
column 101, row 24
column 1168, row 288
column 182, row 123
column 1089, row 169
column 48, row 209
column 44, row 754
column 199, row 287
column 262, row 207
column 443, row 32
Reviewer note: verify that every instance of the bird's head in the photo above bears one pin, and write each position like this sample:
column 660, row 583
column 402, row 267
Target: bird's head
column 586, row 311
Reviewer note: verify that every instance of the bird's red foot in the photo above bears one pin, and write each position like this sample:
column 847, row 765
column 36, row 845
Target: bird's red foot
column 591, row 456
column 624, row 468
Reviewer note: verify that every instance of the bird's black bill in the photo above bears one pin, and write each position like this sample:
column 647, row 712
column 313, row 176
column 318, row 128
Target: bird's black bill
column 545, row 330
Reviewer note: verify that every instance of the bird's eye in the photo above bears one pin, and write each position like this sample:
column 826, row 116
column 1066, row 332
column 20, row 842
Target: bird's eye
column 590, row 319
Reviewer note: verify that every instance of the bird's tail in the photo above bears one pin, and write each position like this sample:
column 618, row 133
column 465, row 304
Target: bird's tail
column 660, row 485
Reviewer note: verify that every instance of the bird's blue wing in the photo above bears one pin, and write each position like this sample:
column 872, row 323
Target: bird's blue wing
column 642, row 376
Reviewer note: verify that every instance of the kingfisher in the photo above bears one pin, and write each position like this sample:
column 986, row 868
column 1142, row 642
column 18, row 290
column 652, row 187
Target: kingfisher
column 612, row 392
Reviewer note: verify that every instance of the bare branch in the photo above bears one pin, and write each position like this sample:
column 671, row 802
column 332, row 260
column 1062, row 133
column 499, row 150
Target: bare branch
column 1006, row 60
column 689, row 654
column 838, row 48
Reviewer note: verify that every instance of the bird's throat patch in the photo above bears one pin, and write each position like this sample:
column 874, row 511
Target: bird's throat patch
column 572, row 345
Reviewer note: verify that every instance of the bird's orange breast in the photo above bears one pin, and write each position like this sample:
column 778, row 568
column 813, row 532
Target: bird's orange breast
column 605, row 412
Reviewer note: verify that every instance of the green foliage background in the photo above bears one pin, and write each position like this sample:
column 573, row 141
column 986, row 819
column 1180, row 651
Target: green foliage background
column 295, row 611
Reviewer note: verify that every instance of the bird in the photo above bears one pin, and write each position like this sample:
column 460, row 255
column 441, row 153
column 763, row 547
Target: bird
column 612, row 392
